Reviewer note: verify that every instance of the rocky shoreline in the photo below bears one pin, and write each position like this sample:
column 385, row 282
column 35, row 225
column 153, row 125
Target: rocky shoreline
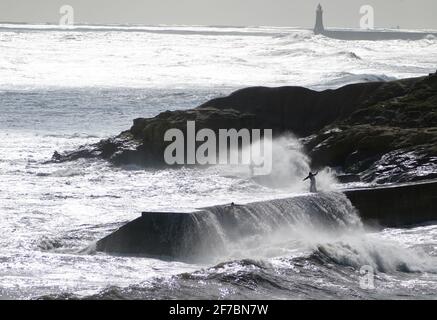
column 383, row 132
column 378, row 131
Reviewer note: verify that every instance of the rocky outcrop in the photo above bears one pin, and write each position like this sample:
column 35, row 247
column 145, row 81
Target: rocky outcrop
column 144, row 143
column 390, row 138
column 380, row 131
column 295, row 109
column 152, row 234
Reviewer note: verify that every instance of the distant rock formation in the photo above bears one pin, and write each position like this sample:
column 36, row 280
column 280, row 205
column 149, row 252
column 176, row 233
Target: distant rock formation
column 380, row 131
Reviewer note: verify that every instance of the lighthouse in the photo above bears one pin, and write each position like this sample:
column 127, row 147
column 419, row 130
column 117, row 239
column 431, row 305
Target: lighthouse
column 319, row 29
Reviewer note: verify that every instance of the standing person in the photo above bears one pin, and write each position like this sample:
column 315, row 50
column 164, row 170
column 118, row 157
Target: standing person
column 312, row 177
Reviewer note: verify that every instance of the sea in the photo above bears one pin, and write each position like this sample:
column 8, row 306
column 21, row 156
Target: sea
column 64, row 87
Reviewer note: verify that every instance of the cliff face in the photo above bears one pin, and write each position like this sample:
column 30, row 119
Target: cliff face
column 383, row 131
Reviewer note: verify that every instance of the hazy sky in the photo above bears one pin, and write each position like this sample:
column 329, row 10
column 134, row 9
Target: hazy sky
column 339, row 13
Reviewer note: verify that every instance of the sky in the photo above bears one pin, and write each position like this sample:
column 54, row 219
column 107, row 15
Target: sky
column 407, row 14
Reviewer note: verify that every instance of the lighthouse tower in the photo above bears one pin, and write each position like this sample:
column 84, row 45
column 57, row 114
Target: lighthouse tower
column 319, row 28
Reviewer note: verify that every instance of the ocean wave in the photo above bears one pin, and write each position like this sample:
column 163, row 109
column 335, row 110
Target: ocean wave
column 177, row 30
column 348, row 54
column 65, row 173
column 223, row 231
column 317, row 275
column 343, row 78
column 329, row 269
column 73, row 136
column 50, row 244
column 383, row 257
column 291, row 52
column 233, row 57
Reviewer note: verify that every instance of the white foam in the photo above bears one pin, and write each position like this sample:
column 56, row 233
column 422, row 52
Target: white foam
column 180, row 57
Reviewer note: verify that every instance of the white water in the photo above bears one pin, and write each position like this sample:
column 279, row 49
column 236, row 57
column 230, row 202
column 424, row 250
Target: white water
column 63, row 88
column 182, row 57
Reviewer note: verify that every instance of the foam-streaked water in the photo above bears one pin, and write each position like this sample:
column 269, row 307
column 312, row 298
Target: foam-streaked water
column 200, row 57
column 63, row 88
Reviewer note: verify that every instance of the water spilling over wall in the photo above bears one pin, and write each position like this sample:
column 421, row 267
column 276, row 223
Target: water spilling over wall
column 220, row 230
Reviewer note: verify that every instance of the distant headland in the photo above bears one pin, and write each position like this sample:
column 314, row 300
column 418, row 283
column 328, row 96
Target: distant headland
column 365, row 34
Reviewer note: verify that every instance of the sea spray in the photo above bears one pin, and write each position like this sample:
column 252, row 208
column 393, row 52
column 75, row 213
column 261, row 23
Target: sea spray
column 220, row 231
column 289, row 166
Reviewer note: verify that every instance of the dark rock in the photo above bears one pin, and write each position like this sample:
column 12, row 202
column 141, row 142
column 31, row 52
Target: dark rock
column 353, row 127
column 348, row 178
column 182, row 236
column 402, row 166
column 153, row 234
column 385, row 139
column 56, row 156
column 296, row 109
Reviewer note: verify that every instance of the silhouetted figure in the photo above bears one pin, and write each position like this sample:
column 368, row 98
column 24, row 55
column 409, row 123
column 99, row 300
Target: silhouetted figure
column 312, row 177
